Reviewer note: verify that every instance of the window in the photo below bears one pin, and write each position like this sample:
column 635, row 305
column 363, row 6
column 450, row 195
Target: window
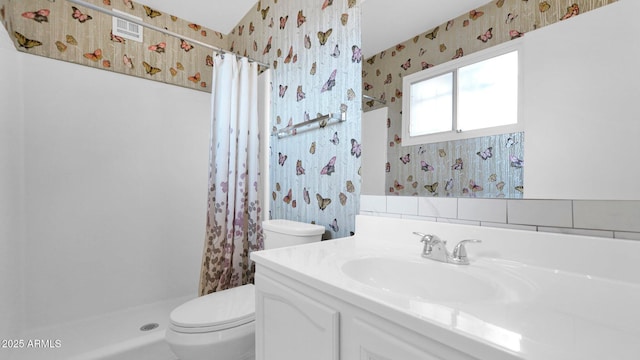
column 476, row 95
column 431, row 107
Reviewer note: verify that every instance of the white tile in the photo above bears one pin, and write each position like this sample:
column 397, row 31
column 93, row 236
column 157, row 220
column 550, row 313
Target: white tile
column 584, row 232
column 490, row 210
column 607, row 215
column 510, row 226
column 407, row 205
column 457, row 221
column 387, row 215
column 438, row 207
column 420, row 218
column 626, row 235
column 554, row 213
column 372, row 203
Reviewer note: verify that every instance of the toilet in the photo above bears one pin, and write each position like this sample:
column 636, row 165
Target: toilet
column 220, row 325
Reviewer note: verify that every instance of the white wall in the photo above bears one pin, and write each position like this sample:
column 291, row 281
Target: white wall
column 11, row 191
column 374, row 156
column 582, row 115
column 115, row 189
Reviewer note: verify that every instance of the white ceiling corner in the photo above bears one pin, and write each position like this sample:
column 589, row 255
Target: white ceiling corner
column 218, row 15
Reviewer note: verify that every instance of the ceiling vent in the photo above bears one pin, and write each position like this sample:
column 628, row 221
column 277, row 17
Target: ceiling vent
column 125, row 28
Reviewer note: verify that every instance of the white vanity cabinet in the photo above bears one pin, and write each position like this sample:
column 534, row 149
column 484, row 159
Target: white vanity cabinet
column 296, row 321
column 291, row 325
column 366, row 337
column 373, row 296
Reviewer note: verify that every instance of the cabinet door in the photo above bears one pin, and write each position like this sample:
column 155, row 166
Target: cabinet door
column 374, row 343
column 292, row 326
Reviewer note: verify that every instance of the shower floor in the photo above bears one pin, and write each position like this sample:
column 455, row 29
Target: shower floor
column 112, row 336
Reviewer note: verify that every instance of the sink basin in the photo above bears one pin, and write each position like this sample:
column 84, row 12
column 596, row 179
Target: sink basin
column 428, row 279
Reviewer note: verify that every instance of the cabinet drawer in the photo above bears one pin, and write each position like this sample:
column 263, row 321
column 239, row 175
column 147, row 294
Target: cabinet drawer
column 374, row 343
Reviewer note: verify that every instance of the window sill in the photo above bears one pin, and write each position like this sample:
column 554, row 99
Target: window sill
column 453, row 135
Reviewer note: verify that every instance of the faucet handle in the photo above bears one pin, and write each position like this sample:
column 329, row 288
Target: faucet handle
column 429, row 238
column 459, row 254
column 426, row 238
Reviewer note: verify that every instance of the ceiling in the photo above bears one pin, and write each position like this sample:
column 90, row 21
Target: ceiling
column 381, row 28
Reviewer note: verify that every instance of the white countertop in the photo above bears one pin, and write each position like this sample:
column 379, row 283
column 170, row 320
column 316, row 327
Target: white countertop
column 542, row 310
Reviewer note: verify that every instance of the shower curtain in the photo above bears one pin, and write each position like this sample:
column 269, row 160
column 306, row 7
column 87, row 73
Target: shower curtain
column 234, row 225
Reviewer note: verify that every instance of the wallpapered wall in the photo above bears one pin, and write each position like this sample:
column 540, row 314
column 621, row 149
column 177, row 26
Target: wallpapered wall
column 314, row 50
column 458, row 168
column 64, row 31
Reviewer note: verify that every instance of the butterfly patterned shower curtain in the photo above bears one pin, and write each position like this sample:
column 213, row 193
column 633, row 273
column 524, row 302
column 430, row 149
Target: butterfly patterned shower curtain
column 234, row 211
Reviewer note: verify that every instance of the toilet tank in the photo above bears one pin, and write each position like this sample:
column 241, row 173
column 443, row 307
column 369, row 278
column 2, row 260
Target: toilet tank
column 281, row 233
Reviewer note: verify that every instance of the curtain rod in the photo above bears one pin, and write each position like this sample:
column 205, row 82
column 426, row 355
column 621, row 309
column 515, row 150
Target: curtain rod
column 164, row 31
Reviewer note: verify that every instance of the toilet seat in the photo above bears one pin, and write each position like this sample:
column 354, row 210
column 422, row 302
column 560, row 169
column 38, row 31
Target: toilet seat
column 217, row 311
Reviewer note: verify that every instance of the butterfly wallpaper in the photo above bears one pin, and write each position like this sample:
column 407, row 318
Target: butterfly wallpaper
column 313, row 49
column 486, row 167
column 62, row 31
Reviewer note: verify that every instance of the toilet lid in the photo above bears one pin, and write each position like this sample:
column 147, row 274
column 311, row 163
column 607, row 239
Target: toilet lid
column 216, row 311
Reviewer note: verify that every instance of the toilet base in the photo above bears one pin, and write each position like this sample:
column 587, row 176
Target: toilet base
column 237, row 343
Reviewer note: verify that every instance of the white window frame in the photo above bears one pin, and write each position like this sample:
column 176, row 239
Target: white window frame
column 453, row 66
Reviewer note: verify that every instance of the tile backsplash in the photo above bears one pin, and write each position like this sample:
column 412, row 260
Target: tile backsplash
column 612, row 219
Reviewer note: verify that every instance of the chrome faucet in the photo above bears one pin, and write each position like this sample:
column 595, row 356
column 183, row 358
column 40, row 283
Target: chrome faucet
column 436, row 249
